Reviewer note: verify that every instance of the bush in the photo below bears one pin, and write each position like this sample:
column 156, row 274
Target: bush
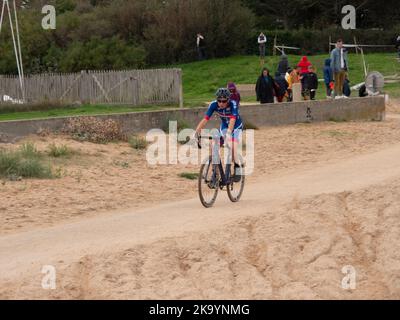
column 28, row 150
column 97, row 53
column 138, row 143
column 59, row 151
column 94, row 130
column 25, row 162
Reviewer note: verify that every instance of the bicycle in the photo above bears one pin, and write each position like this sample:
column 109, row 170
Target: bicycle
column 213, row 177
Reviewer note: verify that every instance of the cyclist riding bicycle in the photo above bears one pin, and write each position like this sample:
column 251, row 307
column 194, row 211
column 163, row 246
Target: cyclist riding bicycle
column 231, row 123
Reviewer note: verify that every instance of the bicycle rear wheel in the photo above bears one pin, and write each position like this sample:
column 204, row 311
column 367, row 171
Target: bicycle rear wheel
column 208, row 183
column 235, row 189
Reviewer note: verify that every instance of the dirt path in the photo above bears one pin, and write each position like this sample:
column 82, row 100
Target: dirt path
column 99, row 179
column 23, row 254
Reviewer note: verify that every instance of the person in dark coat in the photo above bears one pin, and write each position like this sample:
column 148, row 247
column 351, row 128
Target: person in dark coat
column 346, row 87
column 283, row 86
column 309, row 84
column 265, row 87
column 235, row 95
column 328, row 77
column 283, row 64
column 362, row 92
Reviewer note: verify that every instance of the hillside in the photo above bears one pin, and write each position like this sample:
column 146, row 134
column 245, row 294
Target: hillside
column 200, row 79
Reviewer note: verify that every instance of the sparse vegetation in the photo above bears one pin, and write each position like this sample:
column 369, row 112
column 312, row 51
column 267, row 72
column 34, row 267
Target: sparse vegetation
column 122, row 164
column 137, row 142
column 189, row 175
column 59, row 151
column 94, row 130
column 26, row 162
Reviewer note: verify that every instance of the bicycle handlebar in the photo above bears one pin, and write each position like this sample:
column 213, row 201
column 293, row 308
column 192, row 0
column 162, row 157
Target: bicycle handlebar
column 199, row 138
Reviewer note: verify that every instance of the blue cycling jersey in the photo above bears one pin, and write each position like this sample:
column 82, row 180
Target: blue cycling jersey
column 226, row 114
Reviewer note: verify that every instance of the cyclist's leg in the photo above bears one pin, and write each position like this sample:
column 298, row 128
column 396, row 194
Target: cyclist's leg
column 236, row 139
column 234, row 143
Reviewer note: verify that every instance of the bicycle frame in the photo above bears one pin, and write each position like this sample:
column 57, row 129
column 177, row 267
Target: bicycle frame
column 217, row 163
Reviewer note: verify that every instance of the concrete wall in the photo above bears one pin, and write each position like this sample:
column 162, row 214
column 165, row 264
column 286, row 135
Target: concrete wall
column 371, row 108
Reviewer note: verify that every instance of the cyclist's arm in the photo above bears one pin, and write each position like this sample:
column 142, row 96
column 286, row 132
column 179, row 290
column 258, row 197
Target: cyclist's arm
column 232, row 122
column 233, row 117
column 207, row 117
column 201, row 125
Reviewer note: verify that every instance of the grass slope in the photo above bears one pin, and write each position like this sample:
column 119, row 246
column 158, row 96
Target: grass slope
column 201, row 79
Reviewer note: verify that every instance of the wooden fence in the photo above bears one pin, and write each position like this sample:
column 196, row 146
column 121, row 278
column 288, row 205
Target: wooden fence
column 133, row 87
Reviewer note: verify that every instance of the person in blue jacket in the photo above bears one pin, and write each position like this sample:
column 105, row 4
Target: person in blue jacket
column 328, row 77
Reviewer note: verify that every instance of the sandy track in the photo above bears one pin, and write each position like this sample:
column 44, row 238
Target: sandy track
column 100, row 179
column 119, row 249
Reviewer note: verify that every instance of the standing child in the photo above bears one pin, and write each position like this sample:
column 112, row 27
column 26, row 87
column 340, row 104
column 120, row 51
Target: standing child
column 304, row 64
column 235, row 95
column 309, row 84
column 294, row 84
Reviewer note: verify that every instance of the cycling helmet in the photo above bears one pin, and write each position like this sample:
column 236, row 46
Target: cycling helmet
column 223, row 93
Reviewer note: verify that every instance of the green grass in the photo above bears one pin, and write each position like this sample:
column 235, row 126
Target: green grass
column 189, row 175
column 201, row 79
column 76, row 111
column 26, row 162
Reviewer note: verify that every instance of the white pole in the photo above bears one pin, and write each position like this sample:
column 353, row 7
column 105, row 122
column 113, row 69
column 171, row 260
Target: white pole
column 364, row 64
column 15, row 48
column 19, row 51
column 2, row 15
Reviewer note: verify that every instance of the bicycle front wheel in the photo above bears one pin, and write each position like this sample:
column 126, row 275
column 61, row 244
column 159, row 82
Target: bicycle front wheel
column 235, row 189
column 208, row 183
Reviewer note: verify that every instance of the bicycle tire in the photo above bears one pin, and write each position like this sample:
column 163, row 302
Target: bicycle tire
column 203, row 184
column 229, row 187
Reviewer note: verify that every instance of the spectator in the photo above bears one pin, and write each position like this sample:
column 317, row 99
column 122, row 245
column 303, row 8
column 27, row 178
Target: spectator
column 235, row 95
column 288, row 80
column 339, row 66
column 283, row 64
column 309, row 84
column 265, row 87
column 262, row 40
column 328, row 78
column 346, row 87
column 362, row 92
column 200, row 44
column 294, row 77
column 283, row 86
column 295, row 84
column 304, row 64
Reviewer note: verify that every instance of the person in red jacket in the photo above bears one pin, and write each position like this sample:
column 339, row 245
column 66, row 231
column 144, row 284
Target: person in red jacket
column 304, row 64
